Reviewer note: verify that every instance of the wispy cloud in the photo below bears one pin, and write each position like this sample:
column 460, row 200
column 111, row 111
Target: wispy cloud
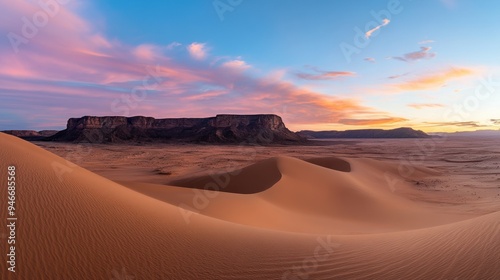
column 378, row 121
column 434, row 80
column 425, row 42
column 207, row 94
column 425, row 105
column 197, row 50
column 236, row 64
column 495, row 121
column 423, row 53
column 370, row 59
column 173, row 45
column 324, row 75
column 369, row 33
column 397, row 76
column 146, row 52
column 458, row 124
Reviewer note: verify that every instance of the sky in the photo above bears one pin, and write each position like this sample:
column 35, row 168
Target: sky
column 322, row 65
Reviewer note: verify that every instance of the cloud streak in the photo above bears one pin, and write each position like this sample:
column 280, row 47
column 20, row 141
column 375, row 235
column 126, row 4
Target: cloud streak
column 423, row 53
column 425, row 42
column 425, row 105
column 434, row 81
column 377, row 121
column 370, row 59
column 397, row 76
column 370, row 32
column 495, row 121
column 324, row 75
column 472, row 124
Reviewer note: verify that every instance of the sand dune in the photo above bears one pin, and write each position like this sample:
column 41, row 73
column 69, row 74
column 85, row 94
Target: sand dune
column 324, row 195
column 270, row 222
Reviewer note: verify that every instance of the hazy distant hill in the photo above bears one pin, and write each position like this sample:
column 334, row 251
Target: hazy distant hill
column 31, row 134
column 404, row 132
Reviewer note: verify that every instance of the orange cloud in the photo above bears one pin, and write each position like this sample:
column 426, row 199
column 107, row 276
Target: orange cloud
column 434, row 81
column 389, row 120
column 425, row 105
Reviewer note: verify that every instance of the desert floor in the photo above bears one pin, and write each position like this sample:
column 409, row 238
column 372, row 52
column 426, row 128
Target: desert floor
column 343, row 209
column 467, row 178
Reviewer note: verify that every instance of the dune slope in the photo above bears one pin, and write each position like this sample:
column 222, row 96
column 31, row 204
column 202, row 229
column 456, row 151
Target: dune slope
column 323, row 195
column 74, row 224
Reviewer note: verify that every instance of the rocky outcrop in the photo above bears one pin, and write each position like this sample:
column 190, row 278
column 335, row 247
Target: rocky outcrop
column 262, row 129
column 403, row 132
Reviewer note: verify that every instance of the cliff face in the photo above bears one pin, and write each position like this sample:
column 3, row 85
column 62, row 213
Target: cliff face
column 219, row 129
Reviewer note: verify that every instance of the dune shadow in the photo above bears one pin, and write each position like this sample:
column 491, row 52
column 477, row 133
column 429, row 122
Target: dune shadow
column 331, row 163
column 252, row 179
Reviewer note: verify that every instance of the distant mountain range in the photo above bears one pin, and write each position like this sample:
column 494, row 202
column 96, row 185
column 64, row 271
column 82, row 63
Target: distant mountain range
column 404, row 132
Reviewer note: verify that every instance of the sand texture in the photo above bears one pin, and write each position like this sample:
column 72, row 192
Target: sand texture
column 325, row 212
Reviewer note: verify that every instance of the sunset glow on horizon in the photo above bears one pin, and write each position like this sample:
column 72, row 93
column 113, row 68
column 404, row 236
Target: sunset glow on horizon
column 323, row 65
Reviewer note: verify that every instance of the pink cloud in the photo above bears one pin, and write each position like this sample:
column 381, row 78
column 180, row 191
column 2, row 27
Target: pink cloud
column 146, row 52
column 324, row 75
column 197, row 51
column 72, row 66
column 207, row 95
column 237, row 64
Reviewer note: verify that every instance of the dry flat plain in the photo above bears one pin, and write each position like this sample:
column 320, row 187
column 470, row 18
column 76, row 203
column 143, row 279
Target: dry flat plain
column 343, row 209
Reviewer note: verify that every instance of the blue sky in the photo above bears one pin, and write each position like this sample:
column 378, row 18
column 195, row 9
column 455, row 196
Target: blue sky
column 421, row 65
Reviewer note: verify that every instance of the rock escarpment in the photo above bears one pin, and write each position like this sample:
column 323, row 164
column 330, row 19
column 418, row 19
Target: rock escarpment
column 262, row 129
